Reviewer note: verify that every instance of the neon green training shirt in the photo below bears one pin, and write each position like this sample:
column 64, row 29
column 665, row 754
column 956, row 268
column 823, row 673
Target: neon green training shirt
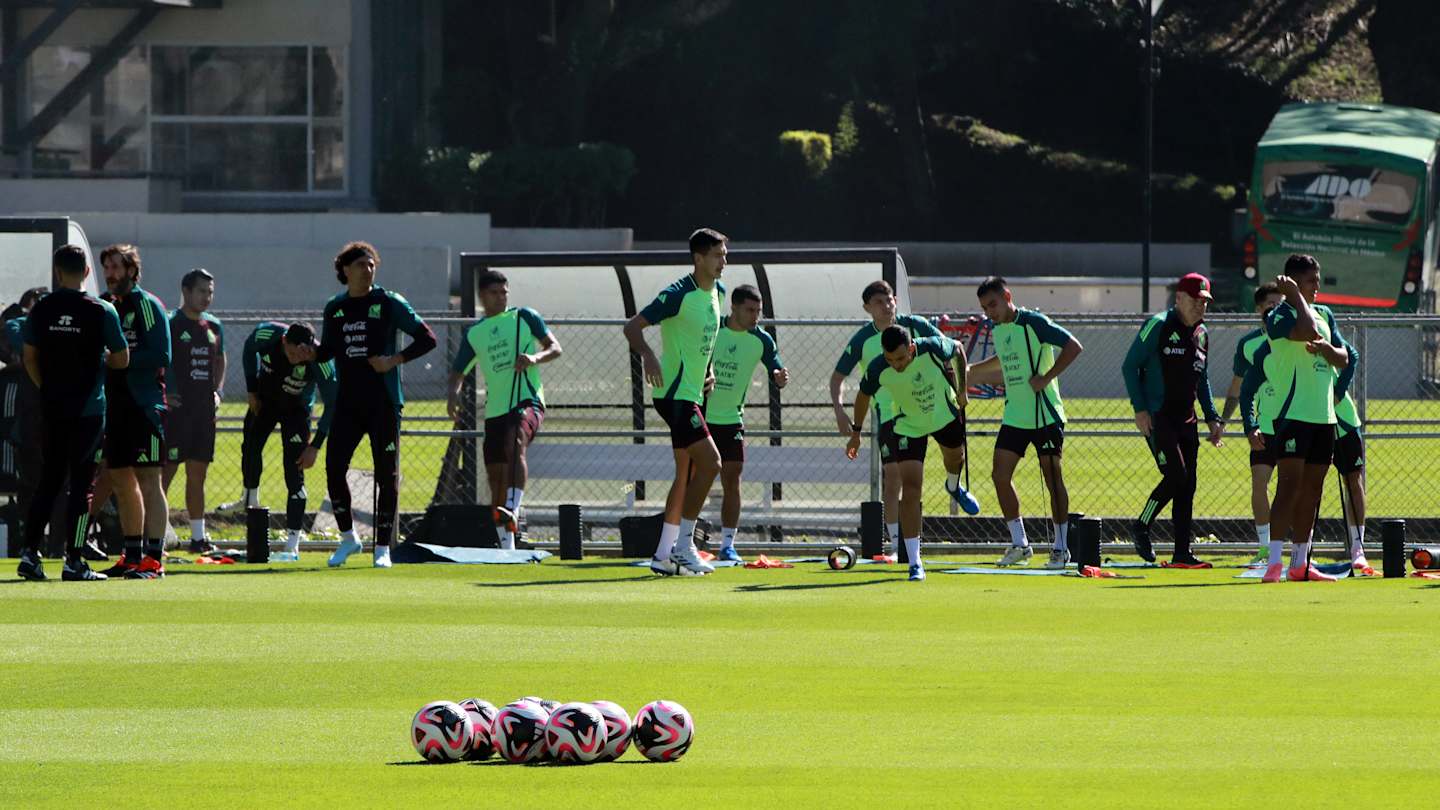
column 736, row 355
column 689, row 319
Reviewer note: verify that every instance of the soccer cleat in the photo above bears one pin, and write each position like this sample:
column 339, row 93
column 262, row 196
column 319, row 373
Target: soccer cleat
column 91, row 551
column 121, row 569
column 1261, row 558
column 688, row 559
column 1274, row 573
column 292, row 543
column 1059, row 558
column 1184, row 559
column 917, row 572
column 1308, row 574
column 80, row 571
column 31, row 567
column 347, row 547
column 729, row 554
column 1360, row 567
column 153, row 568
column 232, row 508
column 382, row 556
column 200, row 545
column 1140, row 536
column 962, row 496
column 664, row 568
column 1017, row 555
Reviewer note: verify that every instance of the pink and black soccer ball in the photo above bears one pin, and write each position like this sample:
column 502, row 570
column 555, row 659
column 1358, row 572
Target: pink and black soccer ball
column 482, row 717
column 663, row 731
column 617, row 729
column 575, row 734
column 442, row 732
column 518, row 732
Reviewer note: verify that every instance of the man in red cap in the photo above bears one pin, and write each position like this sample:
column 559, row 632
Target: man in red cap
column 1165, row 372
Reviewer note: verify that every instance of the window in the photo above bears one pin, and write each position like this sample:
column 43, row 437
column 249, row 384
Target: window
column 1318, row 190
column 225, row 120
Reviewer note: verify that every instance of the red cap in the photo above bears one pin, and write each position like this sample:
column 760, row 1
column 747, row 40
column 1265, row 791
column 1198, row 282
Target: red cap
column 1194, row 284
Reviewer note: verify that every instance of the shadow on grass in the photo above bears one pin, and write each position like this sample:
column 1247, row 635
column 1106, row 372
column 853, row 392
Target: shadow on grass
column 761, row 587
column 235, row 570
column 539, row 582
column 1188, row 584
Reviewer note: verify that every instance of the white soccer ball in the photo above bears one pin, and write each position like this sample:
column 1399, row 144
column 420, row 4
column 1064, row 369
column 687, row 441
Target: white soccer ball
column 575, row 734
column 518, row 732
column 617, row 730
column 482, row 717
column 663, row 731
column 442, row 732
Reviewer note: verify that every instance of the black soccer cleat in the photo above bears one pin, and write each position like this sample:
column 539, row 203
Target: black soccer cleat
column 1140, row 535
column 200, row 545
column 80, row 571
column 91, row 551
column 31, row 567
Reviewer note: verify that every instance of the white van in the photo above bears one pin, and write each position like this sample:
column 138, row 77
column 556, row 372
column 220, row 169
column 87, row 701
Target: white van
column 26, row 245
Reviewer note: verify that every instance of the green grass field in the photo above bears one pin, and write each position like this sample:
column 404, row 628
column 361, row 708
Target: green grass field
column 1106, row 475
column 294, row 686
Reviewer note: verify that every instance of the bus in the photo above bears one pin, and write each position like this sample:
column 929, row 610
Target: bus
column 1354, row 185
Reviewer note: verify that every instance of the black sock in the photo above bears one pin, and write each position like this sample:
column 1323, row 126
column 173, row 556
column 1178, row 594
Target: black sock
column 155, row 549
column 32, row 552
column 133, row 547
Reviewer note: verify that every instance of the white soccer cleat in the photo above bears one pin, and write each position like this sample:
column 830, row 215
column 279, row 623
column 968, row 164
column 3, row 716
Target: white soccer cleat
column 688, row 560
column 292, row 543
column 382, row 557
column 1059, row 559
column 347, row 547
column 664, row 568
column 1017, row 555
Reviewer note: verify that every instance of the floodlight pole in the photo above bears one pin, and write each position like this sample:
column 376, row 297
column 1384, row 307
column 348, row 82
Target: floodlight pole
column 1148, row 204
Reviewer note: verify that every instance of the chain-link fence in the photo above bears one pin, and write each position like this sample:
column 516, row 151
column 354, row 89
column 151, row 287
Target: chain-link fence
column 604, row 447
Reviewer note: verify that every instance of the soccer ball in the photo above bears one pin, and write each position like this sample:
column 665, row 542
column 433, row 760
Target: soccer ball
column 482, row 716
column 442, row 732
column 576, row 733
column 518, row 732
column 617, row 730
column 663, row 731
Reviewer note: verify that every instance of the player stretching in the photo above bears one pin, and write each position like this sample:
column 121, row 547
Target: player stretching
column 197, row 372
column 1025, row 362
column 281, row 377
column 67, row 335
column 1304, row 349
column 917, row 373
column 739, row 348
column 358, row 333
column 509, row 345
column 688, row 312
column 1262, row 456
column 135, row 417
column 1165, row 371
column 879, row 302
column 1350, row 462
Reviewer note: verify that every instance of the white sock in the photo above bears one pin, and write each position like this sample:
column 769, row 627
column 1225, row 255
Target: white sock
column 894, row 530
column 952, row 481
column 1262, row 532
column 727, row 536
column 197, row 529
column 252, row 497
column 1299, row 555
column 349, row 536
column 1357, row 542
column 1277, row 552
column 686, row 540
column 1062, row 536
column 507, row 538
column 912, row 548
column 292, row 541
column 668, row 533
column 1017, row 532
column 513, row 497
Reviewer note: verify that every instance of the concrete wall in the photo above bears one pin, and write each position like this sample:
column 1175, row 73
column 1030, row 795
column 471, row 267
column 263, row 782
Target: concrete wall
column 550, row 240
column 1045, row 293
column 245, row 22
column 60, row 195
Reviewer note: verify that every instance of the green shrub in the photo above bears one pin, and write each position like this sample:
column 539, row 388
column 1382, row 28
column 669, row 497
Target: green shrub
column 813, row 149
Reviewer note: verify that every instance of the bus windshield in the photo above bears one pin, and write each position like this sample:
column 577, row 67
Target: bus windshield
column 1340, row 193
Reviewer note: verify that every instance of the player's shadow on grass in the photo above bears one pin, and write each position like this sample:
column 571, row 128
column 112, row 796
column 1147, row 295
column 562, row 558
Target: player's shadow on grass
column 764, row 587
column 1182, row 585
column 230, row 571
column 539, row 582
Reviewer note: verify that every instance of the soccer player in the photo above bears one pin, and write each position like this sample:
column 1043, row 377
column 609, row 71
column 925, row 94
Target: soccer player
column 1303, row 350
column 1027, row 364
column 358, row 333
column 879, row 302
column 1350, row 462
column 688, row 313
column 917, row 373
column 281, row 378
column 740, row 347
column 1262, row 458
column 67, row 336
column 1165, row 371
column 135, row 417
column 508, row 344
column 197, row 373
